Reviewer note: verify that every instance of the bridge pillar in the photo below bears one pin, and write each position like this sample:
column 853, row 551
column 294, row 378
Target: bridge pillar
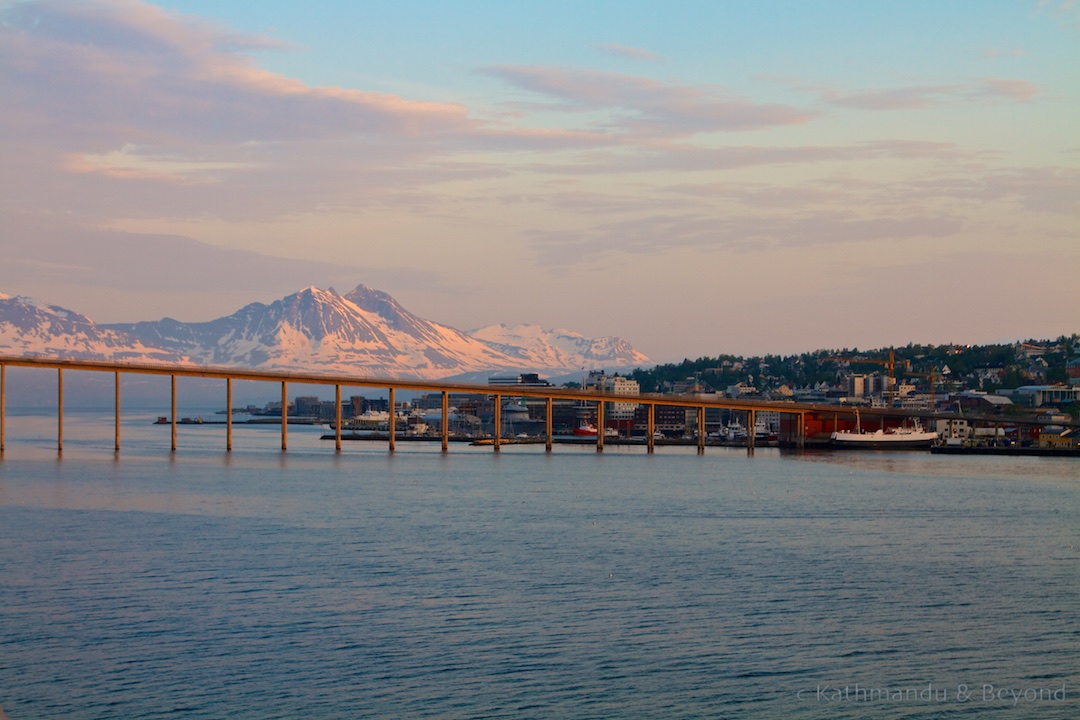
column 751, row 420
column 498, row 423
column 391, row 424
column 337, row 417
column 650, row 429
column 173, row 385
column 701, row 430
column 228, row 414
column 117, row 404
column 3, row 388
column 60, row 410
column 600, row 426
column 284, row 414
column 548, row 422
column 445, row 421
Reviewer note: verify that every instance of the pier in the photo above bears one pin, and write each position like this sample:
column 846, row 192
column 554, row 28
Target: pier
column 794, row 416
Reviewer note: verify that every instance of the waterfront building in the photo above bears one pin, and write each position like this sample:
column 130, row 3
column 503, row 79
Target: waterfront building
column 1044, row 395
column 669, row 421
column 1058, row 438
column 954, row 428
column 358, row 405
column 306, row 404
column 978, row 401
column 614, row 385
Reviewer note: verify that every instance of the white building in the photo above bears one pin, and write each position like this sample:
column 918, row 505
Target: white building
column 614, row 385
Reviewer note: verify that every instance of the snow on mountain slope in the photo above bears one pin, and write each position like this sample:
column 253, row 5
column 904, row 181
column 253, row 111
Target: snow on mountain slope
column 365, row 332
column 32, row 328
column 560, row 349
column 320, row 329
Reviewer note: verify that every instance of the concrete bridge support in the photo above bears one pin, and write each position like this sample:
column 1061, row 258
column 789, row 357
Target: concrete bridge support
column 548, row 424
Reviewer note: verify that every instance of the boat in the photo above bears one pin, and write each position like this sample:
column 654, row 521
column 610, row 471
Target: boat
column 734, row 431
column 585, row 430
column 888, row 439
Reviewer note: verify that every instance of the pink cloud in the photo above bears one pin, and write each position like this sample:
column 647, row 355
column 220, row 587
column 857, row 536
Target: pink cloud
column 906, row 98
column 632, row 53
column 132, row 72
column 1019, row 90
column 762, row 229
column 682, row 157
column 917, row 97
column 992, row 53
column 646, row 106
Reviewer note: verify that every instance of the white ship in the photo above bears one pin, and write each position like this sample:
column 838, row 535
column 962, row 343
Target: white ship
column 890, row 439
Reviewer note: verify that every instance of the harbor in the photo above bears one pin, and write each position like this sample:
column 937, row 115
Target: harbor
column 795, row 425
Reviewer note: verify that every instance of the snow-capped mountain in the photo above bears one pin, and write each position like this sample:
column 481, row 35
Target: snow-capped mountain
column 559, row 349
column 365, row 332
column 31, row 328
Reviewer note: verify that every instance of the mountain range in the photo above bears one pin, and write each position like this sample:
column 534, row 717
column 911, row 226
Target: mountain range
column 364, row 332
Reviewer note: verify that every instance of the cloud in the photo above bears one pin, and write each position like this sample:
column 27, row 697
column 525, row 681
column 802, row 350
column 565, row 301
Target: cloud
column 1042, row 191
column 129, row 163
column 135, row 74
column 993, row 53
column 116, row 108
column 645, row 106
column 1018, row 90
column 754, row 217
column 1039, row 190
column 917, row 97
column 680, row 157
column 1066, row 12
column 759, row 231
column 906, row 98
column 632, row 53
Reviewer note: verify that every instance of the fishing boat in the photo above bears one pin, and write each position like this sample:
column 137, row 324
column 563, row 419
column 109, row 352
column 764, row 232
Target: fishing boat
column 585, row 429
column 885, row 439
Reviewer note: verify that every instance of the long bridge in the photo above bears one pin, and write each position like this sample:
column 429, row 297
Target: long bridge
column 797, row 413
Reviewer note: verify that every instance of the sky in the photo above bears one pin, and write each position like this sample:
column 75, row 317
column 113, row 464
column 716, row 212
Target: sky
column 698, row 178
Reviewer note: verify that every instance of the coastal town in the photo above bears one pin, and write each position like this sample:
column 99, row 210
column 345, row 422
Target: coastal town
column 955, row 400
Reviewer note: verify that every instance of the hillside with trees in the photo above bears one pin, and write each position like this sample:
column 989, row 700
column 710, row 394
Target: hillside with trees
column 952, row 368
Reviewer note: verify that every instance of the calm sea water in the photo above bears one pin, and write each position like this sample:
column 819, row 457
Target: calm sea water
column 307, row 584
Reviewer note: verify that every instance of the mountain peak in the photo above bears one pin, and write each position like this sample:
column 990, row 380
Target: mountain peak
column 366, row 331
column 363, row 295
column 317, row 293
column 30, row 327
column 386, row 307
